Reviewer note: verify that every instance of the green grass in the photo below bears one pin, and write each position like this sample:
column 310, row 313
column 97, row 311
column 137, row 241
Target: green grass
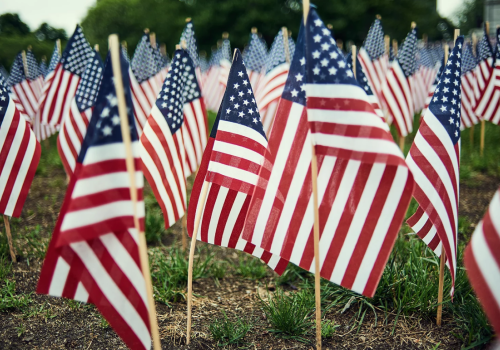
column 211, row 119
column 250, row 267
column 9, row 300
column 328, row 328
column 50, row 158
column 226, row 332
column 155, row 225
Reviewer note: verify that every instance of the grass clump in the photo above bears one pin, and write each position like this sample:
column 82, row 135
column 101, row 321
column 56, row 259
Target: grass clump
column 227, row 332
column 9, row 300
column 328, row 328
column 155, row 225
column 250, row 267
column 289, row 314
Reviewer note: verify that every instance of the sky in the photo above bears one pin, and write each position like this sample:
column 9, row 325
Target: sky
column 67, row 13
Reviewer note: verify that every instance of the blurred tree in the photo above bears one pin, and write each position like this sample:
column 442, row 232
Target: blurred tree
column 11, row 24
column 471, row 15
column 46, row 32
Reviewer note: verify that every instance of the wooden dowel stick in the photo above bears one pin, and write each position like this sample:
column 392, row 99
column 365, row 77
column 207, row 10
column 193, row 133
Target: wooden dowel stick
column 114, row 47
column 354, row 60
column 9, row 238
column 440, row 286
column 96, row 47
column 152, row 39
column 317, row 278
column 387, row 43
column 284, row 31
column 471, row 136
column 197, row 220
column 481, row 140
column 402, row 143
column 58, row 43
column 25, row 64
column 394, row 47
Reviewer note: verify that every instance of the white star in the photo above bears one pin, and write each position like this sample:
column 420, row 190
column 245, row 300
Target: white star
column 455, row 92
column 245, row 82
column 341, row 64
column 325, row 31
column 241, row 114
column 332, row 71
column 444, row 99
column 255, row 120
column 453, row 101
column 457, row 124
column 325, row 46
column 324, row 62
column 458, row 64
column 228, row 110
column 334, row 55
column 164, row 105
column 302, row 61
column 240, row 93
column 115, row 120
column 249, row 91
column 443, row 108
column 455, row 82
column 456, row 133
column 316, row 54
column 445, row 90
column 240, row 74
column 349, row 73
column 317, row 22
column 236, row 85
column 316, row 70
column 106, row 130
column 299, row 77
column 447, row 71
column 294, row 93
column 231, row 98
column 245, row 102
column 3, row 98
column 105, row 112
column 446, row 80
column 250, row 111
column 451, row 120
column 452, row 110
column 317, row 38
column 236, row 106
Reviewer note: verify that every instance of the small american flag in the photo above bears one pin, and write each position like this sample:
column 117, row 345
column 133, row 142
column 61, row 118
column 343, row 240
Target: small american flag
column 488, row 106
column 230, row 166
column 469, row 85
column 162, row 146
column 19, row 155
column 143, row 81
column 398, row 87
column 255, row 55
column 60, row 88
column 424, row 77
column 54, row 60
column 482, row 261
column 432, row 88
column 43, row 67
column 484, row 64
column 434, row 160
column 373, row 58
column 74, row 126
column 268, row 94
column 94, row 254
column 364, row 185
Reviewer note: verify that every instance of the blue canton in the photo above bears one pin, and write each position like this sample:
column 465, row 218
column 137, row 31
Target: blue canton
column 225, row 50
column 191, row 88
column 424, row 58
column 191, row 47
column 4, row 99
column 86, row 92
column 295, row 83
column 407, row 53
column 497, row 46
column 125, row 53
column 105, row 127
column 204, row 65
column 33, row 68
column 360, row 74
column 255, row 53
column 170, row 101
column 374, row 43
column 143, row 63
column 468, row 59
column 325, row 62
column 291, row 47
column 484, row 49
column 17, row 71
column 277, row 53
column 440, row 71
column 239, row 105
column 76, row 54
column 43, row 68
column 54, row 60
column 446, row 102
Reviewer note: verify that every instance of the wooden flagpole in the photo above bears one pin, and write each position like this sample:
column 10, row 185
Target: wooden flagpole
column 395, row 51
column 152, row 39
column 96, row 47
column 25, row 63
column 114, row 46
column 471, row 132
column 58, row 43
column 284, row 31
column 481, row 141
column 9, row 238
column 353, row 54
column 314, row 178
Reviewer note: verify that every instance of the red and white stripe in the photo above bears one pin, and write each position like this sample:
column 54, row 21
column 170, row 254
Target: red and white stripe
column 468, row 116
column 397, row 94
column 422, row 225
column 19, row 157
column 434, row 162
column 195, row 133
column 269, row 93
column 143, row 97
column 59, row 91
column 482, row 261
column 420, row 88
column 210, row 90
column 483, row 72
column 28, row 93
column 360, row 180
column 375, row 71
column 71, row 135
column 94, row 252
column 488, row 106
column 162, row 156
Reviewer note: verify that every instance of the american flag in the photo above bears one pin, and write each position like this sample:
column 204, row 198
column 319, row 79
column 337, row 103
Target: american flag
column 424, row 77
column 19, row 155
column 162, row 146
column 484, row 64
column 188, row 35
column 469, row 85
column 488, row 106
column 94, row 254
column 74, row 126
column 60, row 88
column 364, row 185
column 161, row 65
column 432, row 88
column 373, row 58
column 434, row 160
column 482, row 261
column 365, row 84
column 398, row 88
column 268, row 94
column 54, row 60
column 125, row 51
column 25, row 85
column 211, row 87
column 255, row 55
column 43, row 67
column 195, row 127
column 229, row 168
column 143, row 80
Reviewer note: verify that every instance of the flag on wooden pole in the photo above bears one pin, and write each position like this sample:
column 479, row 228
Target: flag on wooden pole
column 484, row 64
column 364, row 185
column 469, row 85
column 94, row 254
column 254, row 56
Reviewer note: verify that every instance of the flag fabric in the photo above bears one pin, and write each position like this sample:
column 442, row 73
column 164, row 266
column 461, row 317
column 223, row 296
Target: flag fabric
column 211, row 86
column 364, row 185
column 484, row 64
column 195, row 126
column 373, row 58
column 269, row 92
column 19, row 156
column 488, row 105
column 229, row 168
column 74, row 126
column 54, row 59
column 188, row 35
column 424, row 76
column 482, row 261
column 363, row 81
column 60, row 88
column 398, row 88
column 432, row 88
column 434, row 160
column 162, row 145
column 43, row 67
column 254, row 56
column 161, row 65
column 94, row 254
column 469, row 84
column 143, row 81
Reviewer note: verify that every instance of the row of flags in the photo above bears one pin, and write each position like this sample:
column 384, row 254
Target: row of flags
column 253, row 186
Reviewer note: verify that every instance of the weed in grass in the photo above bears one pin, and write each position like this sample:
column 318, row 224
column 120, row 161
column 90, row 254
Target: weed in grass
column 170, row 271
column 9, row 300
column 20, row 330
column 218, row 269
column 328, row 328
column 5, row 267
column 104, row 324
column 227, row 332
column 289, row 313
column 250, row 267
column 155, row 225
column 464, row 225
column 292, row 274
column 35, row 245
